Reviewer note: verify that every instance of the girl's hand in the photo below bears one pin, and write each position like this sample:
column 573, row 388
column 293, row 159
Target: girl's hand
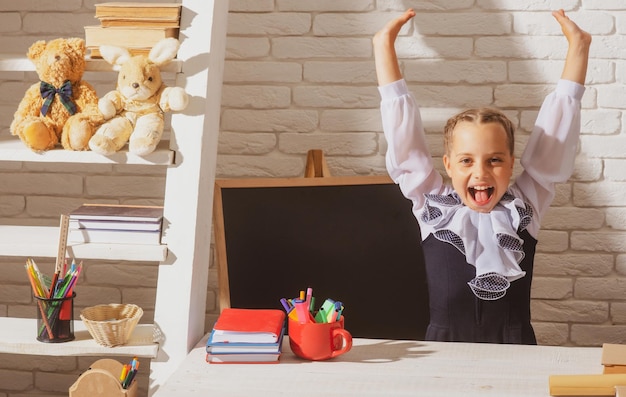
column 575, row 68
column 573, row 34
column 387, row 68
column 389, row 32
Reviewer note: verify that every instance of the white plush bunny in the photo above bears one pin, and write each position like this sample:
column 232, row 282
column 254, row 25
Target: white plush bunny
column 134, row 110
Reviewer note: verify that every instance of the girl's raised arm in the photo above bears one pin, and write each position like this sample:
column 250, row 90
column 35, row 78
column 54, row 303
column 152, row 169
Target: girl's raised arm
column 386, row 60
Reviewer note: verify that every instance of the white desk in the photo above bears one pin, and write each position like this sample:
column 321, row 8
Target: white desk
column 389, row 368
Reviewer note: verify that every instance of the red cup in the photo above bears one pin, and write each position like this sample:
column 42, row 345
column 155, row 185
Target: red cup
column 319, row 341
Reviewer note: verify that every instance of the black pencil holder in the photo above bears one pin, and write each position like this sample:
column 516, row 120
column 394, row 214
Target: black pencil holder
column 55, row 319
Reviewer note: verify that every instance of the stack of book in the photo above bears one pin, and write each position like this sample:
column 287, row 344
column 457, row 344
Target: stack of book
column 246, row 336
column 133, row 25
column 115, row 224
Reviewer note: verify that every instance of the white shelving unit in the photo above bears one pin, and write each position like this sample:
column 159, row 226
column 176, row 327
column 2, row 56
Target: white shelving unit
column 190, row 157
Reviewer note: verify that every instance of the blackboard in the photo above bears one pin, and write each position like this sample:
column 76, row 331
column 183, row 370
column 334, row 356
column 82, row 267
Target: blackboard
column 352, row 239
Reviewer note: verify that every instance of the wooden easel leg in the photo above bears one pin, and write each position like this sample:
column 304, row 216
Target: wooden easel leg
column 316, row 164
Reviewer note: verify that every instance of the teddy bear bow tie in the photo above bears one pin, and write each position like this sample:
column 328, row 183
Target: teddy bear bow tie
column 48, row 91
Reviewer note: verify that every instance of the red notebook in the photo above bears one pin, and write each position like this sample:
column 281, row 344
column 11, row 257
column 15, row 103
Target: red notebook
column 249, row 325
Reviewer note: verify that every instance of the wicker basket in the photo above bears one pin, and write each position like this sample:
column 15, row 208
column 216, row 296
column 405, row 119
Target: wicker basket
column 111, row 325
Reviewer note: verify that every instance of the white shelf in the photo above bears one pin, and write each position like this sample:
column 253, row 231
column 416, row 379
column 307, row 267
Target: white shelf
column 42, row 241
column 20, row 63
column 18, row 336
column 190, row 174
column 13, row 149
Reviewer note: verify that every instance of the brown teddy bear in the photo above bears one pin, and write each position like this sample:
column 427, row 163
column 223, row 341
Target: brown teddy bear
column 134, row 111
column 61, row 107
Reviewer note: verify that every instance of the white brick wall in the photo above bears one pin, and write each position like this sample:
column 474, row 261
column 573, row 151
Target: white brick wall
column 300, row 75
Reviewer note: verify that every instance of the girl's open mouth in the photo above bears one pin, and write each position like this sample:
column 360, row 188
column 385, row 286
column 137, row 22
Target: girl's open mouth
column 481, row 194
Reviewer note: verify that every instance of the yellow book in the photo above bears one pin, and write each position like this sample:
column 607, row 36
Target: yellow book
column 170, row 11
column 139, row 22
column 94, row 52
column 128, row 37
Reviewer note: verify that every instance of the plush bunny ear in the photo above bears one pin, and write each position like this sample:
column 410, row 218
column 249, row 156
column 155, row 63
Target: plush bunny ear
column 164, row 51
column 114, row 55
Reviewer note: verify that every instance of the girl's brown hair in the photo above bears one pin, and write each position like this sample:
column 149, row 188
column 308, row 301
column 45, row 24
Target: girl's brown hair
column 479, row 116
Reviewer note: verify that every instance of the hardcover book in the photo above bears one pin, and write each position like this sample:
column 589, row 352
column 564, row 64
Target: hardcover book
column 94, row 52
column 127, row 36
column 138, row 22
column 249, row 326
column 113, row 212
column 113, row 236
column 237, row 347
column 114, row 225
column 242, row 358
column 169, row 11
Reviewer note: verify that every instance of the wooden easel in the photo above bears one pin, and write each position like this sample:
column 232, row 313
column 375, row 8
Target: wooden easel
column 316, row 166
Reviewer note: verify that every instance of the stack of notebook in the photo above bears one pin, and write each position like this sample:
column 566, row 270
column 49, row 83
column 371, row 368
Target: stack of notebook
column 246, row 336
column 115, row 224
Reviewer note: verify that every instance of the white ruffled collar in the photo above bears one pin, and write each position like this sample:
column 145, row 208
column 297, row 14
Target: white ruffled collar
column 489, row 241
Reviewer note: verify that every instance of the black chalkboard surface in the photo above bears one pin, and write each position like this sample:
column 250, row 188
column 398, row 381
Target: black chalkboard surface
column 352, row 239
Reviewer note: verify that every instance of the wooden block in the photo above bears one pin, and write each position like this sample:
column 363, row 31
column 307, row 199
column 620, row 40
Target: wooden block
column 614, row 358
column 614, row 369
column 585, row 385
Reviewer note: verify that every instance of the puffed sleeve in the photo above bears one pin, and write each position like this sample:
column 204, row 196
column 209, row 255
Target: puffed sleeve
column 408, row 159
column 551, row 150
